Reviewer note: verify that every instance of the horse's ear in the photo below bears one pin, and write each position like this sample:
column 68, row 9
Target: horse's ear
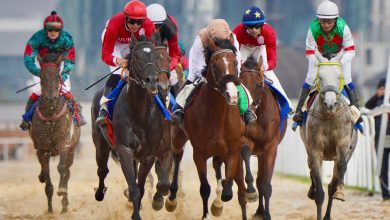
column 319, row 56
column 338, row 56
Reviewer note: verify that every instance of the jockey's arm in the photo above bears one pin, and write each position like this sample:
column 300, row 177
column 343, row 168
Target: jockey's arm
column 174, row 51
column 270, row 44
column 238, row 53
column 30, row 53
column 263, row 54
column 348, row 46
column 109, row 38
column 69, row 61
column 311, row 46
column 196, row 60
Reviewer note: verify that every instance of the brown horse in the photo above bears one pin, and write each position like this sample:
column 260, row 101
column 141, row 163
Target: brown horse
column 140, row 132
column 52, row 130
column 213, row 125
column 262, row 137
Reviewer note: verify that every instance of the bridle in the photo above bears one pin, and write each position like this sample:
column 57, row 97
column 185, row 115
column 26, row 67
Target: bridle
column 221, row 51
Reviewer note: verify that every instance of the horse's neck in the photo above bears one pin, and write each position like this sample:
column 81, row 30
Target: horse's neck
column 50, row 108
column 139, row 100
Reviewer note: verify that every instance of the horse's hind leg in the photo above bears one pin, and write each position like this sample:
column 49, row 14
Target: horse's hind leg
column 201, row 166
column 260, row 176
column 217, row 205
column 251, row 194
column 44, row 176
column 102, row 155
column 66, row 160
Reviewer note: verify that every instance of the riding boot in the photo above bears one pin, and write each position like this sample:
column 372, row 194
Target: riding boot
column 298, row 116
column 249, row 116
column 25, row 125
column 353, row 97
column 175, row 89
column 101, row 119
column 178, row 115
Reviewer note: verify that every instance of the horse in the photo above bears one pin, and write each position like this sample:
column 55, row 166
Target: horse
column 213, row 125
column 260, row 138
column 328, row 133
column 140, row 132
column 52, row 130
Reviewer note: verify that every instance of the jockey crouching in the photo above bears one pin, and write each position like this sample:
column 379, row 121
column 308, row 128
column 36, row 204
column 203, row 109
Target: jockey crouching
column 217, row 28
column 329, row 33
column 166, row 25
column 258, row 39
column 52, row 38
column 115, row 47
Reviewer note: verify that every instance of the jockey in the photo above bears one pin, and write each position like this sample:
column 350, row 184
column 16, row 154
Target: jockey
column 116, row 39
column 329, row 34
column 258, row 38
column 52, row 38
column 167, row 26
column 217, row 28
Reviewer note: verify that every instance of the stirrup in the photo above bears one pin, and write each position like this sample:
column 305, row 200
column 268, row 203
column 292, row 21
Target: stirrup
column 25, row 125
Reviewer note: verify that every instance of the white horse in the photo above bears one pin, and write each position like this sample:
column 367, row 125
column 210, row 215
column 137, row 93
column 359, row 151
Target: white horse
column 328, row 133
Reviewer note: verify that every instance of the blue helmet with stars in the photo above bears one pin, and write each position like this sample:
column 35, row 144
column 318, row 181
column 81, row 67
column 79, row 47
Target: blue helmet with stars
column 253, row 15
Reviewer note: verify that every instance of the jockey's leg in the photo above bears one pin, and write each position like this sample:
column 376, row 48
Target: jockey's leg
column 174, row 82
column 276, row 84
column 76, row 108
column 110, row 84
column 353, row 97
column 178, row 115
column 29, row 112
column 298, row 116
column 244, row 101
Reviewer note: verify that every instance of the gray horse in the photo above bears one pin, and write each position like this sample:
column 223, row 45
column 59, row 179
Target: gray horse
column 328, row 133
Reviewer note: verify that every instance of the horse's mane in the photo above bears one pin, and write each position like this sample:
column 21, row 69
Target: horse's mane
column 250, row 63
column 50, row 57
column 223, row 44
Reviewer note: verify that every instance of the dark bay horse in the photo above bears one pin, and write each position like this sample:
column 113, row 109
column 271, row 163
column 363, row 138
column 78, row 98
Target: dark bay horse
column 52, row 130
column 213, row 125
column 328, row 133
column 262, row 137
column 140, row 132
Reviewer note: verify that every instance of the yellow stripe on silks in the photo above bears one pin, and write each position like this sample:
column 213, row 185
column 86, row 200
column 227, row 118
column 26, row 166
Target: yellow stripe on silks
column 317, row 81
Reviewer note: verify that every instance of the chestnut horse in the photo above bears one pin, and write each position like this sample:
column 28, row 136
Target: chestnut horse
column 140, row 132
column 213, row 125
column 262, row 137
column 52, row 130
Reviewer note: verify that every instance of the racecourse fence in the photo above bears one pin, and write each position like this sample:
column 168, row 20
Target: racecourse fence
column 361, row 172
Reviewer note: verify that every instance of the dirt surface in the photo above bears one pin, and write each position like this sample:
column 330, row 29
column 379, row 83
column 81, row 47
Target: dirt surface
column 23, row 197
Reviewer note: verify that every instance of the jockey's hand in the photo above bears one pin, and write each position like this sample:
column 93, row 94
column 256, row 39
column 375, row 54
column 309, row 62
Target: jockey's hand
column 121, row 62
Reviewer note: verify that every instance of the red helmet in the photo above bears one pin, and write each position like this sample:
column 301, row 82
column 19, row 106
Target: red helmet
column 53, row 21
column 135, row 10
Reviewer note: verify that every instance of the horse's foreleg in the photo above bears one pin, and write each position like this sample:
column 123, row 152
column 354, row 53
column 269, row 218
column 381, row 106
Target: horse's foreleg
column 126, row 157
column 239, row 179
column 268, row 166
column 217, row 205
column 163, row 167
column 230, row 173
column 171, row 203
column 339, row 172
column 259, row 180
column 44, row 176
column 102, row 155
column 143, row 172
column 201, row 167
column 315, row 163
column 66, row 160
column 251, row 194
column 331, row 190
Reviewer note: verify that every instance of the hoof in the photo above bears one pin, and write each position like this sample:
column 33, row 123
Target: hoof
column 170, row 205
column 50, row 210
column 215, row 210
column 257, row 217
column 62, row 191
column 311, row 193
column 158, row 204
column 227, row 195
column 251, row 197
column 42, row 178
column 64, row 210
column 339, row 196
column 99, row 194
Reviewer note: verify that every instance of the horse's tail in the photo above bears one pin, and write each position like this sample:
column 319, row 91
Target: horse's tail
column 115, row 157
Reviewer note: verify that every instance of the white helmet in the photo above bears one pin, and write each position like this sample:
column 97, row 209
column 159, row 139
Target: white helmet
column 327, row 10
column 156, row 13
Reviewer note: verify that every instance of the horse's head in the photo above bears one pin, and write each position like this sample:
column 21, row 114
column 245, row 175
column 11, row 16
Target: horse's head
column 50, row 75
column 142, row 63
column 221, row 70
column 329, row 79
column 163, row 65
column 252, row 76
